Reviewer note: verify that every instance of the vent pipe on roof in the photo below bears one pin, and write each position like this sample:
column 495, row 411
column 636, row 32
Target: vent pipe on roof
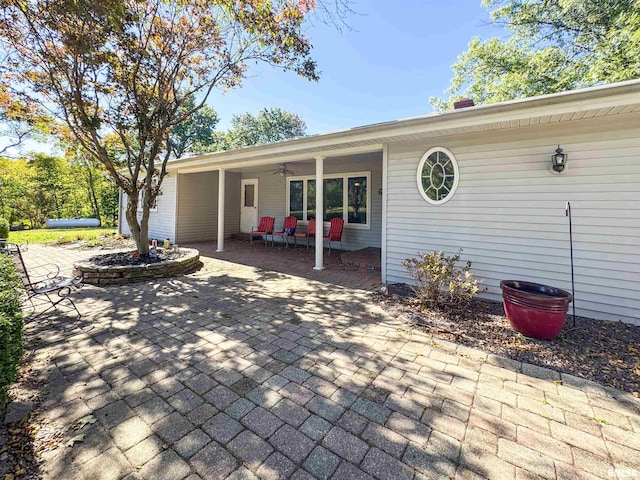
column 463, row 103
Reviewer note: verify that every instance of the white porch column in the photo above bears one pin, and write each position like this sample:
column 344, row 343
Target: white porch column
column 319, row 213
column 221, row 182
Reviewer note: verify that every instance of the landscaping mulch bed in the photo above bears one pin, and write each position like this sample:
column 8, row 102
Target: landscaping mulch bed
column 601, row 351
column 127, row 258
column 107, row 241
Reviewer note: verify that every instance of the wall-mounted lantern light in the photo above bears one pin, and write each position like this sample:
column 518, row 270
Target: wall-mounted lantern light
column 559, row 160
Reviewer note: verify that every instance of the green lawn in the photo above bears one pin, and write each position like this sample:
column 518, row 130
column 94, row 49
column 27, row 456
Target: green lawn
column 45, row 235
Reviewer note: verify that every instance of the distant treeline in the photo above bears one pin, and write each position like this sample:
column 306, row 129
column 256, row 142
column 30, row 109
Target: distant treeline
column 42, row 186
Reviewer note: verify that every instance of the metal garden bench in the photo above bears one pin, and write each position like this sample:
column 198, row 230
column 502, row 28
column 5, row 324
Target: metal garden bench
column 42, row 281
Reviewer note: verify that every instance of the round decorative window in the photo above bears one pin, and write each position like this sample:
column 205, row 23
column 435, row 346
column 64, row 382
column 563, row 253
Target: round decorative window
column 437, row 175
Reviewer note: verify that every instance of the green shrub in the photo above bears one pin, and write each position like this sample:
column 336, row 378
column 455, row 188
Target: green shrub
column 4, row 228
column 11, row 324
column 438, row 282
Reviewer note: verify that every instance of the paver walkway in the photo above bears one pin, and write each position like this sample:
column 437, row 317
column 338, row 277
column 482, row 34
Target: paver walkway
column 235, row 372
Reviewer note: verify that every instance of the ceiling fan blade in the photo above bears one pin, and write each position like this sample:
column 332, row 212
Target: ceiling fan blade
column 282, row 170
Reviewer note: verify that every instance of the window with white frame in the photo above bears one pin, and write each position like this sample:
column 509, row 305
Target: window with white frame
column 437, row 176
column 154, row 206
column 346, row 196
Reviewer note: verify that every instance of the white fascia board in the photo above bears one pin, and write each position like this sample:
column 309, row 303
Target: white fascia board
column 605, row 96
column 243, row 161
column 487, row 117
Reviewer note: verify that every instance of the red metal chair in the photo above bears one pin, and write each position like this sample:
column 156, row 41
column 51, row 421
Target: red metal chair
column 310, row 233
column 264, row 229
column 335, row 232
column 288, row 230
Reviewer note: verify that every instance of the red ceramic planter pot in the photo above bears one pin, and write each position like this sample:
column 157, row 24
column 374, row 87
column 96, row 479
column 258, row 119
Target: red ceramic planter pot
column 533, row 309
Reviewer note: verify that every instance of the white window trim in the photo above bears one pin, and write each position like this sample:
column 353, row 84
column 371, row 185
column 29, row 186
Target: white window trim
column 456, row 174
column 140, row 195
column 345, row 197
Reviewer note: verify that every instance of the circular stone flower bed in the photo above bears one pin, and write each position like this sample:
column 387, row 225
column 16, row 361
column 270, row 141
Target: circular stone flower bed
column 121, row 268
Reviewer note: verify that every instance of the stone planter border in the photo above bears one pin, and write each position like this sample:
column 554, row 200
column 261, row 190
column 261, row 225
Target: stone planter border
column 120, row 275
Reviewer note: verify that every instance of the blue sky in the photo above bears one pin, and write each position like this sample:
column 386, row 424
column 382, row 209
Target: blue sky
column 398, row 54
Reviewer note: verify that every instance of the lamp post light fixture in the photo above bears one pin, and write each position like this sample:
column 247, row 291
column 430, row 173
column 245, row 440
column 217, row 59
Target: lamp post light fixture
column 559, row 160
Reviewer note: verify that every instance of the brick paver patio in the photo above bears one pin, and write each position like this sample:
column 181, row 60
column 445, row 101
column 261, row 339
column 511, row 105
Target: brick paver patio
column 293, row 261
column 238, row 372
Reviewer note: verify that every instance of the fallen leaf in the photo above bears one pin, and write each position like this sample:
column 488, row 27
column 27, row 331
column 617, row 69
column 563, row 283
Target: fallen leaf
column 84, row 421
column 8, row 476
column 558, row 382
column 77, row 438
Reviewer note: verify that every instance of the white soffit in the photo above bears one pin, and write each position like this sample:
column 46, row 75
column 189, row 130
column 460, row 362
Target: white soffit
column 602, row 101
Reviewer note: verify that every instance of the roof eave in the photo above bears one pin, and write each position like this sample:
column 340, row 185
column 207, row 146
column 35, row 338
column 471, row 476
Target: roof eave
column 574, row 100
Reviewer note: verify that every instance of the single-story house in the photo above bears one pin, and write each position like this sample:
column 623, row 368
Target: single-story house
column 478, row 178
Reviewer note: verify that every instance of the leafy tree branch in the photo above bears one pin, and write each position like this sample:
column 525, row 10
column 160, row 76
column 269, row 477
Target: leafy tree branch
column 132, row 67
column 553, row 45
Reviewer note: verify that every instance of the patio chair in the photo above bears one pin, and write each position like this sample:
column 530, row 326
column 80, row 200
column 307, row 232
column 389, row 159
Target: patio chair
column 310, row 233
column 45, row 284
column 264, row 229
column 288, row 230
column 335, row 232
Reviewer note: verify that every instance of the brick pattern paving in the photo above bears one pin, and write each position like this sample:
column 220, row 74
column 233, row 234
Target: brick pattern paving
column 243, row 373
column 293, row 261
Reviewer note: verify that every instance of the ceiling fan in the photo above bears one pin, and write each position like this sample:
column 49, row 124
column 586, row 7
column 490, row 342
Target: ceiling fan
column 282, row 170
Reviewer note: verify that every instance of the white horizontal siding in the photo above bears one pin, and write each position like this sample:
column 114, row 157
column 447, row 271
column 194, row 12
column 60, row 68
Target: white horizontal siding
column 508, row 214
column 272, row 200
column 198, row 206
column 232, row 191
column 162, row 222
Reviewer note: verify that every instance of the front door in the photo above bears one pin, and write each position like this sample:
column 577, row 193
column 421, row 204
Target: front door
column 249, row 202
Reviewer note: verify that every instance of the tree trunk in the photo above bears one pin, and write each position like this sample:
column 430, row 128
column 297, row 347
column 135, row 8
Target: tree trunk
column 143, row 248
column 139, row 230
column 56, row 206
column 95, row 206
column 115, row 214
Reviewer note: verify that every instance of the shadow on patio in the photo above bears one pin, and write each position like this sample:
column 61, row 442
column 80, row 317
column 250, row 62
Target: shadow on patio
column 240, row 369
column 296, row 261
column 173, row 370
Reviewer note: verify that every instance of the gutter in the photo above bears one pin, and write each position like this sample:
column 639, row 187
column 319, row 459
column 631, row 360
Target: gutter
column 603, row 96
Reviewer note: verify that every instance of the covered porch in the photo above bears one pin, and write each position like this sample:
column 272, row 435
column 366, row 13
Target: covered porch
column 214, row 202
